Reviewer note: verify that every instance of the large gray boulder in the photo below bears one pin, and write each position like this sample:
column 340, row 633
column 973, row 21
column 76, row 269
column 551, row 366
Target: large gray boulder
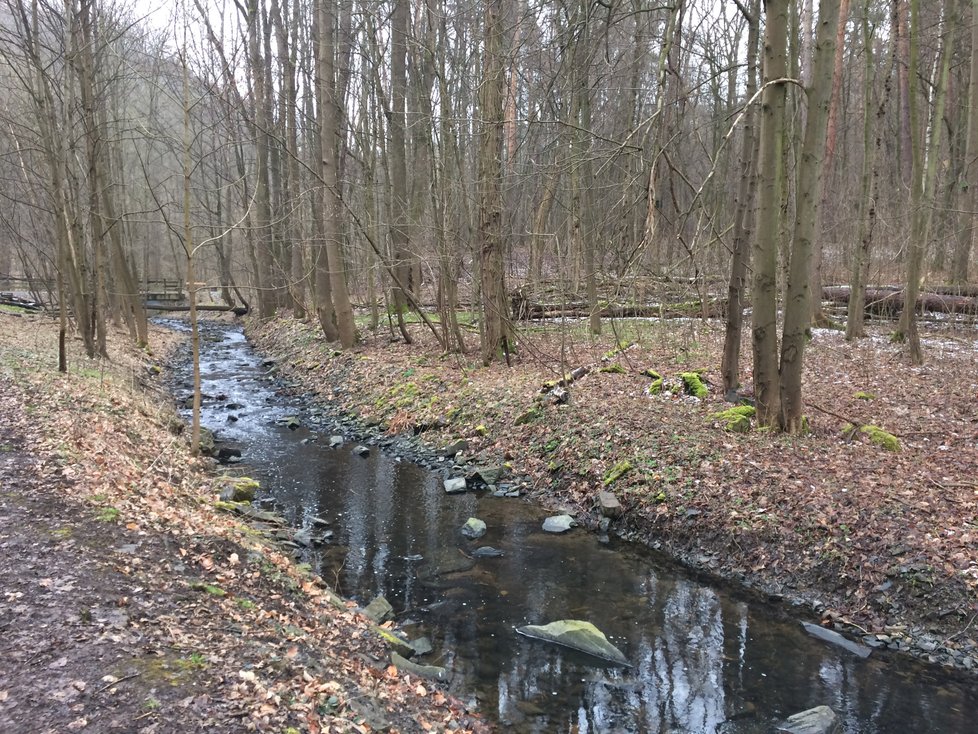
column 577, row 635
column 819, row 720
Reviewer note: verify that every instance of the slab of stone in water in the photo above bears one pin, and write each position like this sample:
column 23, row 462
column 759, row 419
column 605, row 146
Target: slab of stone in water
column 819, row 720
column 559, row 523
column 577, row 635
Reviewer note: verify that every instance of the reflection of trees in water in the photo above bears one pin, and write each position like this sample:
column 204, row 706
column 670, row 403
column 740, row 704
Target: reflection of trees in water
column 683, row 682
column 677, row 682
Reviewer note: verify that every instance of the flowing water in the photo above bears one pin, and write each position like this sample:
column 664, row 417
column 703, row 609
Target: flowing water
column 703, row 660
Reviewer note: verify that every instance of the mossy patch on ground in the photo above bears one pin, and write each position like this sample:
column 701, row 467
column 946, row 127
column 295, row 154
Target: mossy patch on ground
column 736, row 419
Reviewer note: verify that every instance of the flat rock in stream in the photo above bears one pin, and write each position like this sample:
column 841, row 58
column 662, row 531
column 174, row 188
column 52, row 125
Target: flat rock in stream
column 819, row 720
column 577, row 635
column 834, row 638
column 445, row 562
column 361, row 451
column 335, row 442
column 487, row 551
column 559, row 523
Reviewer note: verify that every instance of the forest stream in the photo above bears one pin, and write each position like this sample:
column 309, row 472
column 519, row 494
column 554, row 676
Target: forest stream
column 703, row 658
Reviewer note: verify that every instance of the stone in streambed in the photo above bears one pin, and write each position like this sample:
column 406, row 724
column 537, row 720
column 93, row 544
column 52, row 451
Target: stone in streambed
column 335, row 441
column 834, row 638
column 361, row 451
column 455, row 447
column 239, row 489
column 487, row 551
column 421, row 646
column 610, row 506
column 395, row 643
column 819, row 720
column 378, row 611
column 474, row 528
column 559, row 523
column 489, row 474
column 577, row 635
column 455, row 485
column 431, row 672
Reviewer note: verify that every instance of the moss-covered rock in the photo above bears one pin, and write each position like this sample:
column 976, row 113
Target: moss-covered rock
column 614, row 369
column 238, row 489
column 693, row 384
column 617, row 471
column 528, row 416
column 881, row 438
column 736, row 419
column 655, row 388
column 864, row 396
column 577, row 635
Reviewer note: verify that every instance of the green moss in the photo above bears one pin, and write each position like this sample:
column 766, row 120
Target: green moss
column 481, row 430
column 528, row 416
column 693, row 384
column 864, row 396
column 209, row 589
column 881, row 438
column 651, row 373
column 736, row 419
column 617, row 471
column 614, row 369
column 108, row 514
column 655, row 388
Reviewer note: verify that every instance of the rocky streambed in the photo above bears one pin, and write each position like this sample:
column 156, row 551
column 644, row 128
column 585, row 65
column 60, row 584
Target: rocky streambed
column 386, row 517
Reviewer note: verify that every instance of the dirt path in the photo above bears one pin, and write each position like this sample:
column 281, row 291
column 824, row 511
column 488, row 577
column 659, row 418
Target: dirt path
column 130, row 604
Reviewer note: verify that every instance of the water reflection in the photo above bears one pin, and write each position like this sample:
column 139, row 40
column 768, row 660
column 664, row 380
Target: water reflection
column 702, row 661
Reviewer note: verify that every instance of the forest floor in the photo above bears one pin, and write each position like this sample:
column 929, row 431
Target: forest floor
column 130, row 604
column 880, row 543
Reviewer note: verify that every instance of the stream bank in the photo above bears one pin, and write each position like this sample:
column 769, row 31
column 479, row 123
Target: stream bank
column 130, row 603
column 831, row 527
column 708, row 660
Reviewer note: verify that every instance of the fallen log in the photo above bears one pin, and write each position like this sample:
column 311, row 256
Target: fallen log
column 157, row 306
column 9, row 299
column 890, row 302
column 694, row 309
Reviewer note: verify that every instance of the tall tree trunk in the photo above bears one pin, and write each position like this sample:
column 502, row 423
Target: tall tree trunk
column 831, row 136
column 397, row 155
column 262, row 198
column 495, row 306
column 969, row 194
column 332, row 211
column 764, row 329
column 797, row 307
column 869, row 187
column 743, row 217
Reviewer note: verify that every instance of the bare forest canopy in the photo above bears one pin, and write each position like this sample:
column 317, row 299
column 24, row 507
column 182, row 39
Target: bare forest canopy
column 440, row 155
